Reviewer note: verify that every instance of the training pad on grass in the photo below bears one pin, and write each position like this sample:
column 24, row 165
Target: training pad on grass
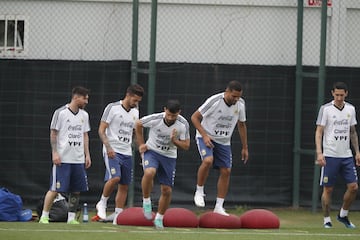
column 134, row 216
column 259, row 219
column 215, row 220
column 180, row 217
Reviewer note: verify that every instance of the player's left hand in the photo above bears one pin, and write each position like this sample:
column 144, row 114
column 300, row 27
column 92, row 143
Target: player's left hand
column 244, row 155
column 174, row 134
column 87, row 162
column 357, row 158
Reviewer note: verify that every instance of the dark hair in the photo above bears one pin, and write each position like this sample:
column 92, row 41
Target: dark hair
column 340, row 85
column 80, row 91
column 135, row 89
column 234, row 85
column 173, row 105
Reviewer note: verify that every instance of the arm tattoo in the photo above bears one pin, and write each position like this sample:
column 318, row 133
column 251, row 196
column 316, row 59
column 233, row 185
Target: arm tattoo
column 104, row 140
column 53, row 140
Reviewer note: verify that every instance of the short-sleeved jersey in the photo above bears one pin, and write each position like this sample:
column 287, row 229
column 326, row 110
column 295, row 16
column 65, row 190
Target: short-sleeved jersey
column 121, row 125
column 160, row 134
column 220, row 119
column 337, row 123
column 71, row 128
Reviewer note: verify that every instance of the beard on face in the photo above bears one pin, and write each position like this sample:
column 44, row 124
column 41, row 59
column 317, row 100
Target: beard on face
column 81, row 105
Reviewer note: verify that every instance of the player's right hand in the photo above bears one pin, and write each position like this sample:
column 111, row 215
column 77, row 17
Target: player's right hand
column 56, row 159
column 143, row 148
column 111, row 153
column 320, row 160
column 208, row 141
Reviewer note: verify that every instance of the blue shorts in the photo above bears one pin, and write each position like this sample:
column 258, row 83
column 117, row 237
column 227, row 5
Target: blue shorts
column 165, row 166
column 221, row 153
column 344, row 167
column 120, row 166
column 69, row 177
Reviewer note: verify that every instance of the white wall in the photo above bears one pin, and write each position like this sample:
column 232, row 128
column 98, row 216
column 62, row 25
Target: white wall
column 206, row 31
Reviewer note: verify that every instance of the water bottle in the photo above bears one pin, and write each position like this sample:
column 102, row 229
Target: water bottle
column 85, row 213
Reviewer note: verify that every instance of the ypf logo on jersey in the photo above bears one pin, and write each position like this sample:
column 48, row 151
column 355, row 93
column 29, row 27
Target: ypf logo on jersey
column 75, row 135
column 341, row 129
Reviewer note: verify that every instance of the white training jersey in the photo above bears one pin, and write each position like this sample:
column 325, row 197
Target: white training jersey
column 336, row 122
column 121, row 126
column 71, row 128
column 220, row 119
column 160, row 134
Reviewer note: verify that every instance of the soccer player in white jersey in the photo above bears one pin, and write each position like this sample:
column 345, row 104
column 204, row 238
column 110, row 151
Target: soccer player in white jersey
column 116, row 133
column 168, row 132
column 215, row 121
column 335, row 130
column 70, row 153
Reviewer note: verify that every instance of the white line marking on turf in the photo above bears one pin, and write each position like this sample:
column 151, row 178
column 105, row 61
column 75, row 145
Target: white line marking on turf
column 214, row 232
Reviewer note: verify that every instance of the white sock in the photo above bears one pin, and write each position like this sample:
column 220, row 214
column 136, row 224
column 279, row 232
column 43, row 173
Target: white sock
column 200, row 189
column 104, row 199
column 71, row 216
column 146, row 200
column 327, row 219
column 159, row 216
column 219, row 202
column 118, row 210
column 44, row 214
column 343, row 213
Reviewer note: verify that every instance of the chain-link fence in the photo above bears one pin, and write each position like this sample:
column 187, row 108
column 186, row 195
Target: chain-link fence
column 207, row 31
column 201, row 45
